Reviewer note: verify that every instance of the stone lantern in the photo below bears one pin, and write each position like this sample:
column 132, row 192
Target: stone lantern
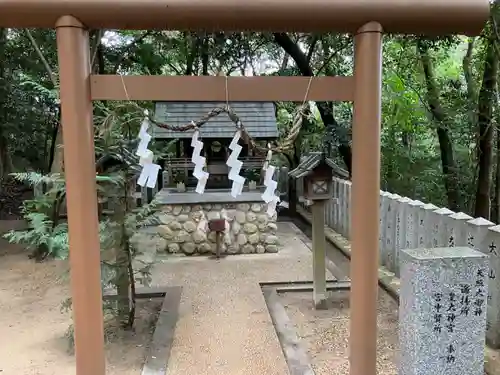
column 316, row 172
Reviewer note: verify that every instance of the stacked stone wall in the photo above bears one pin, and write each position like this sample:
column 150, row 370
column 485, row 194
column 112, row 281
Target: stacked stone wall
column 249, row 229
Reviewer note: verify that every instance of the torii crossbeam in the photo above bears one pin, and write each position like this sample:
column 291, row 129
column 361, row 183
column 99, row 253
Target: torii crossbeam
column 366, row 19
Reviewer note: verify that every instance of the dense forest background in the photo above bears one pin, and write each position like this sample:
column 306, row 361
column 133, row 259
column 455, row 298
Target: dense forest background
column 440, row 138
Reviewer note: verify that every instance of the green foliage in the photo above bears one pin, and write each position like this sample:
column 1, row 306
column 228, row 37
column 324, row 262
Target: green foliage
column 411, row 155
column 412, row 161
column 110, row 233
column 252, row 175
column 48, row 234
column 41, row 232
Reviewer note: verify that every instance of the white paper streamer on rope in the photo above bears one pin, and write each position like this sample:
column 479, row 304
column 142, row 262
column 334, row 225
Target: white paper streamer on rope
column 269, row 196
column 149, row 173
column 144, row 137
column 199, row 163
column 150, row 170
column 271, row 206
column 235, row 166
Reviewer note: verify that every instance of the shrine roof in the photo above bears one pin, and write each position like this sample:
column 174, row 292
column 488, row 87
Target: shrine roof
column 312, row 161
column 258, row 118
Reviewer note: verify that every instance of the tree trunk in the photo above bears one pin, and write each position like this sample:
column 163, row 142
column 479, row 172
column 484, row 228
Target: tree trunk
column 205, row 55
column 122, row 279
column 5, row 159
column 471, row 84
column 448, row 164
column 293, row 162
column 485, row 127
column 57, row 156
column 193, row 53
column 325, row 108
column 101, row 65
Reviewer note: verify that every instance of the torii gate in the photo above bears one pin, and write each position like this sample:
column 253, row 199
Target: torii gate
column 365, row 19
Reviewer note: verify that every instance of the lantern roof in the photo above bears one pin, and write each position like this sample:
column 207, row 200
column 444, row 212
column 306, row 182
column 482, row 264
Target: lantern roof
column 312, row 161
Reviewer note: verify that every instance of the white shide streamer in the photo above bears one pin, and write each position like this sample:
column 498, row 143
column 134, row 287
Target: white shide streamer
column 235, row 166
column 269, row 196
column 144, row 138
column 199, row 163
column 150, row 170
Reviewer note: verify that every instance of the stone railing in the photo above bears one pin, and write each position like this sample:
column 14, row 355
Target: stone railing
column 411, row 224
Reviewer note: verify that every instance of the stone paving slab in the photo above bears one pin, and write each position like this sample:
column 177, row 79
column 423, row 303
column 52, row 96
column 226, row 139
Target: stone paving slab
column 224, row 327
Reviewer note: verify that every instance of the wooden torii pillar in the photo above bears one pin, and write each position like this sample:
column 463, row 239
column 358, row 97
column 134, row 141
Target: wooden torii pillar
column 365, row 19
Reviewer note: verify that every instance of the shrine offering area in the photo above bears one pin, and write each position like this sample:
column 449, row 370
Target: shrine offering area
column 182, row 224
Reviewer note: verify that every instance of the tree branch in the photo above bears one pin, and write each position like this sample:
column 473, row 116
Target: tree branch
column 290, row 47
column 325, row 108
column 95, row 47
column 133, row 45
column 312, row 46
column 40, row 54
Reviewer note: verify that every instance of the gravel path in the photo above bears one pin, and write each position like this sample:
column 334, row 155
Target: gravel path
column 325, row 333
column 224, row 326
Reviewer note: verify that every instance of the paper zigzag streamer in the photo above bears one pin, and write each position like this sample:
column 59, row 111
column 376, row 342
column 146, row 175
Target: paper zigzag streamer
column 149, row 172
column 199, row 163
column 235, row 166
column 269, row 196
column 144, row 137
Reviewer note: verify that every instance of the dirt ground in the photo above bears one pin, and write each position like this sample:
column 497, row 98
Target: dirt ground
column 325, row 333
column 33, row 328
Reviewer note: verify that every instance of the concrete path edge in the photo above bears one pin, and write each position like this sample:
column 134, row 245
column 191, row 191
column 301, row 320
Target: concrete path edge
column 391, row 283
column 293, row 349
column 156, row 360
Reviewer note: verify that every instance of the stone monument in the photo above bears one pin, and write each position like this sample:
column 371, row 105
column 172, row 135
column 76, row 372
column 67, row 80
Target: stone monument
column 442, row 312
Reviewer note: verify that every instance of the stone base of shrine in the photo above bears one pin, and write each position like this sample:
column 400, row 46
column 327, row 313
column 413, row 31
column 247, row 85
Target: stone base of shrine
column 183, row 223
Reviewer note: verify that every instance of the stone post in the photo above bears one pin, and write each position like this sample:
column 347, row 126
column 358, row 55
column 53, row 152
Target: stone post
column 426, row 225
column 439, row 234
column 165, row 175
column 336, row 206
column 457, row 229
column 283, row 182
column 412, row 224
column 348, row 210
column 390, row 231
column 319, row 254
column 400, row 230
column 384, row 203
column 299, row 191
column 442, row 314
column 477, row 229
column 328, row 212
column 491, row 247
column 344, row 213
